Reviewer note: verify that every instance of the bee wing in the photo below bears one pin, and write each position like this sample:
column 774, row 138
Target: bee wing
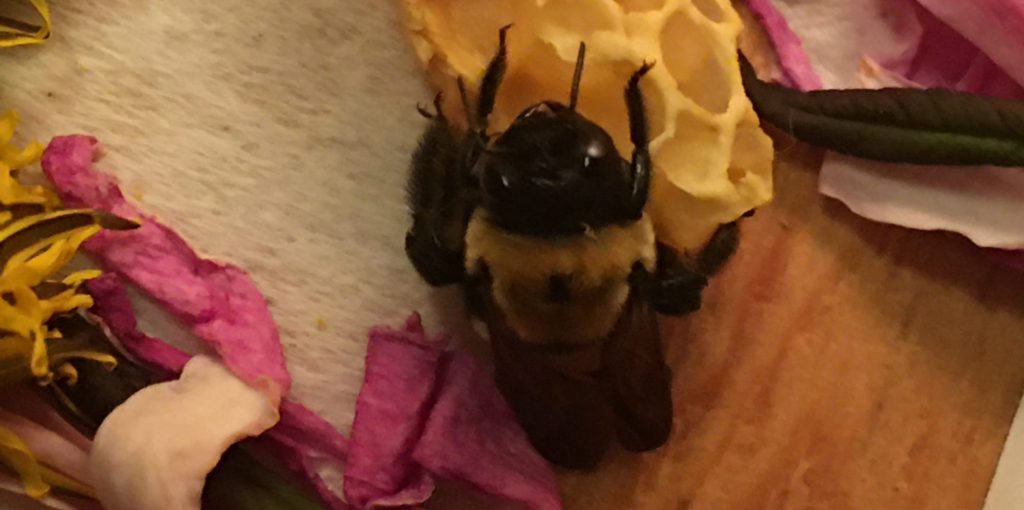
column 639, row 383
column 558, row 399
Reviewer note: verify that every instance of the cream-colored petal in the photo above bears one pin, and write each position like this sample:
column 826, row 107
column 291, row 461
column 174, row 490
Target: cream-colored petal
column 156, row 449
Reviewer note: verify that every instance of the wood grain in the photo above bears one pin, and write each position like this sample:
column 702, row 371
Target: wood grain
column 837, row 364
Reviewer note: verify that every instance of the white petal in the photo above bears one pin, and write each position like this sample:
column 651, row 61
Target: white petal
column 986, row 204
column 837, row 33
column 155, row 450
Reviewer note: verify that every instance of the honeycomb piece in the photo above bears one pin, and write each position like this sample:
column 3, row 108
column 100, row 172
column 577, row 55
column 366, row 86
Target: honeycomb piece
column 713, row 162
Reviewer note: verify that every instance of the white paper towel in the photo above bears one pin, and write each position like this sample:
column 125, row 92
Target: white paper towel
column 273, row 134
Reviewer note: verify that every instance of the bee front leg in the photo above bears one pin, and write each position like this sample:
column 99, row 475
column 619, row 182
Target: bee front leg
column 720, row 248
column 492, row 81
column 673, row 288
column 641, row 164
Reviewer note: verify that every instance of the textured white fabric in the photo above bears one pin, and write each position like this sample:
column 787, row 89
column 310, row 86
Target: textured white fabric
column 272, row 134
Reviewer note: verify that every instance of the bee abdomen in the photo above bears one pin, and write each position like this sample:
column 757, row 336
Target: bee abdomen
column 559, row 290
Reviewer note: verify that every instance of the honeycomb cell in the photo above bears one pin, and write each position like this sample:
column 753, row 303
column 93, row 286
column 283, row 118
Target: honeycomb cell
column 700, row 75
column 711, row 9
column 751, row 164
column 695, row 159
column 641, row 5
column 565, row 14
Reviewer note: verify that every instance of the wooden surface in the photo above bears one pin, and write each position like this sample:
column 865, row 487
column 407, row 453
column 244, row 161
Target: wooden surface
column 837, row 364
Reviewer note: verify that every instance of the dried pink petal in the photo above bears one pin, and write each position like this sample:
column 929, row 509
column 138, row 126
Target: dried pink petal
column 392, row 408
column 425, row 413
column 50, row 448
column 113, row 306
column 219, row 302
column 472, row 436
column 25, row 402
column 304, row 442
column 995, row 26
column 795, row 64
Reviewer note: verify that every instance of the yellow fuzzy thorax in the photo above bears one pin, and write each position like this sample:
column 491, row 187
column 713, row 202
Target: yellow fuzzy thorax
column 598, row 264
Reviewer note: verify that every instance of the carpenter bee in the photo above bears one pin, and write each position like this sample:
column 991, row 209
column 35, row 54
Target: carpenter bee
column 544, row 226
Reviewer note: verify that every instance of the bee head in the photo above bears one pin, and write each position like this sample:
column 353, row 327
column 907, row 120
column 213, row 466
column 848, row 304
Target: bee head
column 553, row 172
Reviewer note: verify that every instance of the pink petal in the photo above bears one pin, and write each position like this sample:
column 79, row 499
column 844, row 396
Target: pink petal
column 12, row 494
column 305, row 442
column 472, row 436
column 301, row 439
column 316, row 434
column 426, row 413
column 392, row 408
column 219, row 302
column 113, row 306
column 947, row 59
column 835, row 34
column 995, row 26
column 49, row 448
column 794, row 61
column 27, row 403
column 1014, row 259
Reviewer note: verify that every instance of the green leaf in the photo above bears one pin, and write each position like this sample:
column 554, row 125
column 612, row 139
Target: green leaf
column 85, row 404
column 919, row 126
column 243, row 481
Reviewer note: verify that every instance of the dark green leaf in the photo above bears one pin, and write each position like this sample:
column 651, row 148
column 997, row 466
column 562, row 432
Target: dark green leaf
column 242, row 481
column 919, row 126
column 98, row 390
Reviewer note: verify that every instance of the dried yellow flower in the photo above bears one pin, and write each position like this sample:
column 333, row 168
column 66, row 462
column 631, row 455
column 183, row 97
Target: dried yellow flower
column 16, row 33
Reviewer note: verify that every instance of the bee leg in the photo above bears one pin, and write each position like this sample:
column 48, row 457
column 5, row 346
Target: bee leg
column 673, row 288
column 491, row 82
column 720, row 248
column 438, row 113
column 434, row 244
column 476, row 138
column 477, row 290
column 641, row 163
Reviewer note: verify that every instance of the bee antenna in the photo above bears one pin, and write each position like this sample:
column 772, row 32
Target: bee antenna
column 574, row 94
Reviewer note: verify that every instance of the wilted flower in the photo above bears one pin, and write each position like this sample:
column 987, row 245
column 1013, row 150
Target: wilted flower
column 37, row 240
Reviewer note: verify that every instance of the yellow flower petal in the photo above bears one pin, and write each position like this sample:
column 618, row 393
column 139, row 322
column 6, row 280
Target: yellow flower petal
column 79, row 277
column 15, row 453
column 32, row 265
column 67, row 373
column 32, row 249
column 16, row 159
column 22, row 36
column 58, row 480
column 8, row 123
column 109, row 362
